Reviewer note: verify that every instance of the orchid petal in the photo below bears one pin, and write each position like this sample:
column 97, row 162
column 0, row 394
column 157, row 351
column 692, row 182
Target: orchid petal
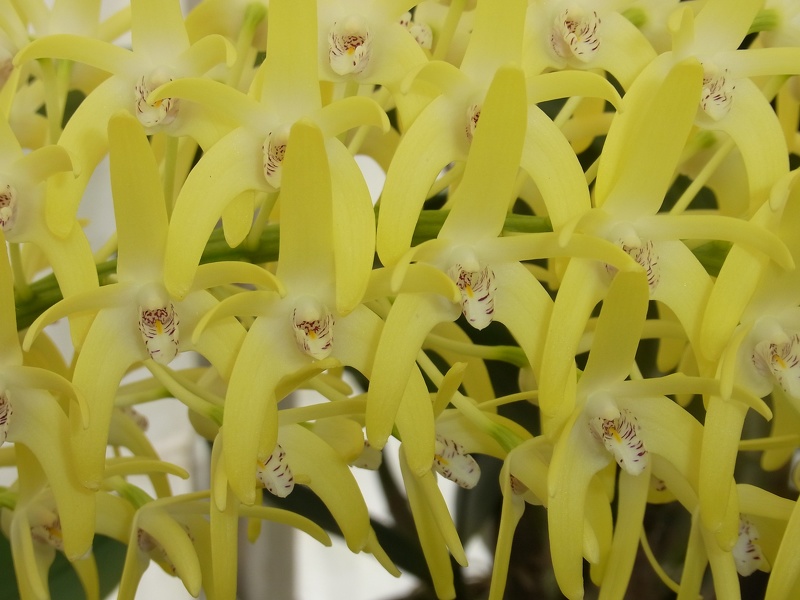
column 139, row 207
column 330, row 478
column 10, row 352
column 496, row 38
column 207, row 53
column 245, row 304
column 39, row 164
column 627, row 53
column 214, row 274
column 718, row 27
column 31, row 566
column 641, row 152
column 496, row 148
column 237, row 218
column 427, row 147
column 565, row 84
column 214, row 95
column 353, row 222
column 305, row 199
column 231, row 166
column 618, row 331
column 409, row 321
column 291, row 61
column 551, row 163
column 177, row 545
column 89, row 51
column 348, row 113
column 415, row 423
column 159, row 37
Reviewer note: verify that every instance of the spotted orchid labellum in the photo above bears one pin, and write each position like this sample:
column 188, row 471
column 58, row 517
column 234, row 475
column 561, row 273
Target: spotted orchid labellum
column 350, row 46
column 779, row 358
column 274, row 150
column 618, row 431
column 718, row 89
column 747, row 552
column 477, row 290
column 451, row 462
column 313, row 328
column 574, row 34
column 6, row 413
column 159, row 328
column 274, row 474
column 161, row 112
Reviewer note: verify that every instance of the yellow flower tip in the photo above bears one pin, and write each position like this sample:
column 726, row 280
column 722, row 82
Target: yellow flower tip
column 574, row 34
column 350, row 46
column 8, row 207
column 451, row 462
column 273, row 473
column 747, row 552
column 313, row 328
column 152, row 111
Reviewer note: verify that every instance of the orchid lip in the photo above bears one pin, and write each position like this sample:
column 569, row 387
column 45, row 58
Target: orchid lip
column 161, row 112
column 274, row 473
column 453, row 463
column 313, row 328
column 350, row 46
column 5, row 417
column 574, row 34
column 8, row 207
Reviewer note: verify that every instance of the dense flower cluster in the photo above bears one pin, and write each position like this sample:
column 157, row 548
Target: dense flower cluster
column 580, row 175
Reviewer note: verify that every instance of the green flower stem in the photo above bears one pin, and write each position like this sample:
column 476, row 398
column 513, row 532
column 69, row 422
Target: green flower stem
column 323, row 410
column 702, row 177
column 45, row 291
column 509, row 354
column 767, row 19
column 53, row 100
column 770, row 443
column 8, row 499
column 195, row 398
column 133, row 494
column 260, row 223
column 22, row 289
column 253, row 15
column 510, row 398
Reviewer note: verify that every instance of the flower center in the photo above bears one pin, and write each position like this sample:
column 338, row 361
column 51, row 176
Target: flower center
column 451, row 462
column 159, row 328
column 717, row 95
column 274, row 473
column 48, row 531
column 313, row 328
column 274, row 149
column 778, row 356
column 642, row 251
column 350, row 46
column 618, row 431
column 747, row 553
column 161, row 112
column 8, row 206
column 574, row 34
column 477, row 293
column 5, row 417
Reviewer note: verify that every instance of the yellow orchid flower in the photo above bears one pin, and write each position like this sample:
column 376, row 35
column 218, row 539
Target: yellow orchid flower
column 443, row 132
column 160, row 53
column 250, row 158
column 577, row 34
column 136, row 319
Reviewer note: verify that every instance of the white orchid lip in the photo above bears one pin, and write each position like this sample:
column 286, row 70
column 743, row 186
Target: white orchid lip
column 158, row 325
column 5, row 417
column 274, row 149
column 451, row 462
column 717, row 94
column 370, row 458
column 421, row 32
column 349, row 46
column 274, row 474
column 641, row 250
column 477, row 287
column 8, row 206
column 575, row 34
column 152, row 548
column 161, row 112
column 618, row 431
column 313, row 327
column 746, row 552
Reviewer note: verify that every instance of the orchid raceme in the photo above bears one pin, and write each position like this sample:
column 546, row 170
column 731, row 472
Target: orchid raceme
column 573, row 286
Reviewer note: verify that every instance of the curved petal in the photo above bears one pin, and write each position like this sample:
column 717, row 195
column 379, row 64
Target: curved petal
column 618, row 331
column 492, row 163
column 39, row 164
column 566, row 84
column 233, row 165
column 330, row 478
column 436, row 139
column 408, row 322
column 157, row 29
column 226, row 272
column 641, row 151
column 177, row 545
column 291, row 62
column 251, row 406
column 306, row 199
column 139, row 207
column 496, row 38
column 717, row 27
column 89, row 51
column 353, row 228
column 345, row 114
column 10, row 351
column 214, row 95
column 415, row 424
column 552, row 165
